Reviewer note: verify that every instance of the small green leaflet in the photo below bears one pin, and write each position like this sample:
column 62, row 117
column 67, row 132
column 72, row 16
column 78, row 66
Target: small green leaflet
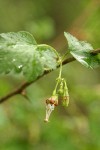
column 19, row 53
column 81, row 50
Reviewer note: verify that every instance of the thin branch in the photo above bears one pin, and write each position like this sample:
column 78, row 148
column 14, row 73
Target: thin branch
column 96, row 51
column 21, row 88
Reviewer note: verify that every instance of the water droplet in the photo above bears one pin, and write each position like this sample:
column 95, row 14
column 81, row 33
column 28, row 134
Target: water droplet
column 20, row 66
column 14, row 60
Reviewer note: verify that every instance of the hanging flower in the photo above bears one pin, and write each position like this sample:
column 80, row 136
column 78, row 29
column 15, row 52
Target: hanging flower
column 50, row 105
column 60, row 91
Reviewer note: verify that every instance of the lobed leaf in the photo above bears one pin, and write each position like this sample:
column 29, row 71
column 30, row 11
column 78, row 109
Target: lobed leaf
column 19, row 53
column 81, row 50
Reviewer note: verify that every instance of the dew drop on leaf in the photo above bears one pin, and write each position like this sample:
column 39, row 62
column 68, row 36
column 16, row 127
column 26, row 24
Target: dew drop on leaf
column 20, row 66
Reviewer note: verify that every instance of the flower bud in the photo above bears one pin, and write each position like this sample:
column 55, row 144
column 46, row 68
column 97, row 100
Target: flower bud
column 61, row 89
column 52, row 100
column 60, row 92
column 65, row 98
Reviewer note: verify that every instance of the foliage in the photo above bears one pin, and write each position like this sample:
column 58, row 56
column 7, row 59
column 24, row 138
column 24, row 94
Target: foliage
column 81, row 50
column 19, row 52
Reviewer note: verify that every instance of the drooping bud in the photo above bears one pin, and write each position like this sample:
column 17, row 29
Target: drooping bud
column 61, row 90
column 50, row 105
column 65, row 101
column 65, row 98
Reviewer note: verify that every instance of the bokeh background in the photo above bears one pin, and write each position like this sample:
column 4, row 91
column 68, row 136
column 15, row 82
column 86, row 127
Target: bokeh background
column 21, row 121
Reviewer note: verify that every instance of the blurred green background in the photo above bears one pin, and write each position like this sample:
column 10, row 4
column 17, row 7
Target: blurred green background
column 21, row 121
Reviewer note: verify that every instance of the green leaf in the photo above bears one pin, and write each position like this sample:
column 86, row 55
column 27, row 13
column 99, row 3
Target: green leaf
column 48, row 56
column 81, row 50
column 19, row 53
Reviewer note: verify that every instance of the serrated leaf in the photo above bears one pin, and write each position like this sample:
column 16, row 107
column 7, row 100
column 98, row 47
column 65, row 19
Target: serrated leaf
column 19, row 52
column 81, row 50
